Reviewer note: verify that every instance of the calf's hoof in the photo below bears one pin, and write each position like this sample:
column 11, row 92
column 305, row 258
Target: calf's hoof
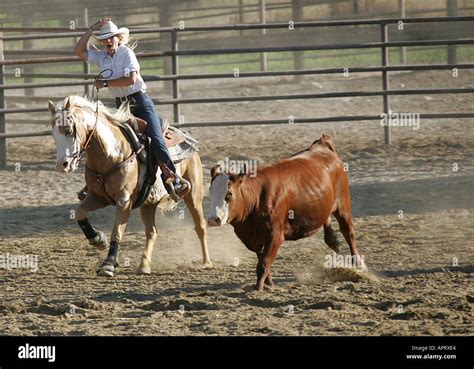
column 260, row 287
column 336, row 248
column 335, row 245
column 264, row 288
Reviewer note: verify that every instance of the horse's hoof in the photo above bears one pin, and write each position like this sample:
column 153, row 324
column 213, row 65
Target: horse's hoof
column 207, row 265
column 144, row 269
column 106, row 270
column 99, row 241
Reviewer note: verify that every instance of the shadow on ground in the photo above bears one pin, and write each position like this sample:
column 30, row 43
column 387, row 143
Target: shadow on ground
column 372, row 199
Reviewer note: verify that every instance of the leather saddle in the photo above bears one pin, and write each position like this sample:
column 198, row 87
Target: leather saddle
column 171, row 136
column 134, row 131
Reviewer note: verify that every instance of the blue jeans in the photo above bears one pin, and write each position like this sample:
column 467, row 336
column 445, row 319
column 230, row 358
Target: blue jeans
column 142, row 107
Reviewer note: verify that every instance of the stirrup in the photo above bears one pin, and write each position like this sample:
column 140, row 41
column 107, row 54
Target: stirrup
column 177, row 196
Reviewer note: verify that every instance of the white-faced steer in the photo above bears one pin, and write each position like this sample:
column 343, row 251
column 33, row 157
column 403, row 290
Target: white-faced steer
column 288, row 200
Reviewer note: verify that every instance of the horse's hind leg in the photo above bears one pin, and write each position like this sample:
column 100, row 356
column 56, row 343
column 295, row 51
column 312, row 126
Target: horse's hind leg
column 344, row 217
column 330, row 237
column 195, row 208
column 193, row 201
column 147, row 212
column 95, row 237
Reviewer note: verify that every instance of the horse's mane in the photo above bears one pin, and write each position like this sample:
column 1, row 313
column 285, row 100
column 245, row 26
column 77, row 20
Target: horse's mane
column 117, row 117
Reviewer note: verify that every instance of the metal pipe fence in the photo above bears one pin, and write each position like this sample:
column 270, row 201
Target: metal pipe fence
column 174, row 53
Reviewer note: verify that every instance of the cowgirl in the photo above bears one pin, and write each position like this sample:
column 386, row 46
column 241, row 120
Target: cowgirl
column 126, row 83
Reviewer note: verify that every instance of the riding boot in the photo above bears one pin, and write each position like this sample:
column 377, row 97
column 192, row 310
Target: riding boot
column 176, row 186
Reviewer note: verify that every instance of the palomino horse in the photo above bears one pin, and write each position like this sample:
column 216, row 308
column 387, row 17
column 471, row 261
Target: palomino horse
column 81, row 126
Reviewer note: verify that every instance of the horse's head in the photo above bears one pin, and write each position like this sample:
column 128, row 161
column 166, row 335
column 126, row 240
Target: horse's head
column 68, row 134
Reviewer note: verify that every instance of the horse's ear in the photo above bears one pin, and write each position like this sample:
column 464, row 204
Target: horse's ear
column 68, row 105
column 51, row 106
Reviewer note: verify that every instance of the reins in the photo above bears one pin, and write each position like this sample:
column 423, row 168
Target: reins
column 86, row 145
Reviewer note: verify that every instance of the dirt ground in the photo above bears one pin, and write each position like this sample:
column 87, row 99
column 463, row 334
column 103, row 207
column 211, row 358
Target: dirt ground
column 413, row 209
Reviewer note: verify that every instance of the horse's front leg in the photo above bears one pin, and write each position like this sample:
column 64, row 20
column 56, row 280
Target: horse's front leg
column 123, row 211
column 95, row 237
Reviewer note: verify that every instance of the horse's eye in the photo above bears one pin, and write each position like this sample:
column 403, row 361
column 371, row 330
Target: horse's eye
column 228, row 196
column 68, row 131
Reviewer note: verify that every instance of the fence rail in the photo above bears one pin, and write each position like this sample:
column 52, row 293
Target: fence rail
column 174, row 53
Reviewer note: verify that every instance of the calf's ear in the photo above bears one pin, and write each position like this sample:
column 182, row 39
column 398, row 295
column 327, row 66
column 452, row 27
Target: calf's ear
column 233, row 177
column 216, row 169
column 238, row 178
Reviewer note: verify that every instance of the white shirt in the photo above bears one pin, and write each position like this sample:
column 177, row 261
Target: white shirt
column 122, row 63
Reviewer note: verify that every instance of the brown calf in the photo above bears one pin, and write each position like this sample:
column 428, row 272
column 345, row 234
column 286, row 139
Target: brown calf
column 288, row 200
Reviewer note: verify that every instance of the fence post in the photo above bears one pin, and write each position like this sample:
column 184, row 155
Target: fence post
column 263, row 19
column 355, row 8
column 87, row 68
column 297, row 10
column 175, row 71
column 3, row 141
column 403, row 49
column 452, row 11
column 166, row 15
column 385, row 82
column 28, row 45
column 241, row 15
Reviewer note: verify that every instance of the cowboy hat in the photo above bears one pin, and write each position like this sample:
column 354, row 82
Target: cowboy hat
column 109, row 30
